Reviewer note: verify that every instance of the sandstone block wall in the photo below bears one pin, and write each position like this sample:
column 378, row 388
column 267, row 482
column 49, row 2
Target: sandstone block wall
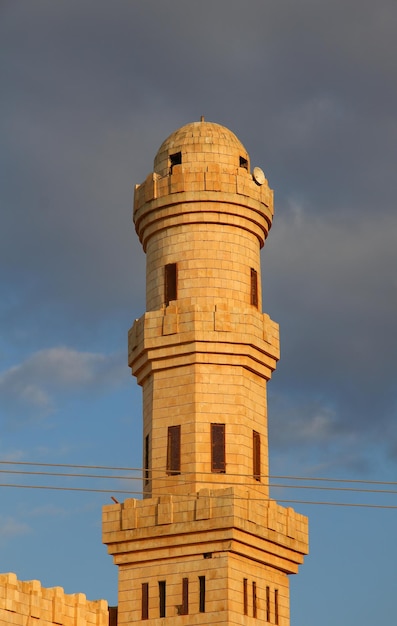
column 244, row 545
column 211, row 364
column 29, row 604
column 206, row 545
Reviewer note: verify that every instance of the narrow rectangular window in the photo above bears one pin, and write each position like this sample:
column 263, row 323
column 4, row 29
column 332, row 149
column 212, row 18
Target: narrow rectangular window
column 256, row 455
column 146, row 460
column 268, row 604
column 113, row 610
column 175, row 159
column 202, row 594
column 162, row 597
column 276, row 606
column 145, row 601
column 218, row 457
column 243, row 163
column 174, row 450
column 170, row 283
column 185, row 596
column 245, row 594
column 254, row 287
column 253, row 599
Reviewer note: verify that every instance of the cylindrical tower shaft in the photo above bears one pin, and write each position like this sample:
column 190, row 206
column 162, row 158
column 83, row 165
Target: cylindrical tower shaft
column 203, row 351
column 207, row 545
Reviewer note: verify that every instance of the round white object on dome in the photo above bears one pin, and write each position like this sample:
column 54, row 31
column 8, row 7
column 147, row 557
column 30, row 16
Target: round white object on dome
column 258, row 176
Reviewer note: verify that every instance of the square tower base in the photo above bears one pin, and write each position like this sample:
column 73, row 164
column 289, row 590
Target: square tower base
column 214, row 557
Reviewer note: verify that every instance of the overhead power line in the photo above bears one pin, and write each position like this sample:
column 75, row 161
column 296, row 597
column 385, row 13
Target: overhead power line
column 273, row 485
column 139, row 493
column 54, row 488
column 134, row 475
column 141, row 470
column 104, row 467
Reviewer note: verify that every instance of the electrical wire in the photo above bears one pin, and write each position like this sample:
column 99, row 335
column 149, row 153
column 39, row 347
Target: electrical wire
column 120, row 491
column 336, row 487
column 104, row 467
column 140, row 470
column 69, row 474
column 272, row 485
column 54, row 488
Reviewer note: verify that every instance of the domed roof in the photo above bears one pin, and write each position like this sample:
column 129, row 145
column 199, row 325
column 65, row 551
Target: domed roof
column 216, row 142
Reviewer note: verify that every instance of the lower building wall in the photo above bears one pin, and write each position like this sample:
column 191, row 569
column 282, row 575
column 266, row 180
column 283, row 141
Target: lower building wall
column 30, row 604
column 238, row 591
column 172, row 573
column 266, row 592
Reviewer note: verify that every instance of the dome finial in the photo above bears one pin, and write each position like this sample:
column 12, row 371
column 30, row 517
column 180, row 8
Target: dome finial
column 202, row 118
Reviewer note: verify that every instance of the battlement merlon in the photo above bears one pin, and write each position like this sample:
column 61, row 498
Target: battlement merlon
column 210, row 335
column 211, row 521
column 22, row 600
column 213, row 194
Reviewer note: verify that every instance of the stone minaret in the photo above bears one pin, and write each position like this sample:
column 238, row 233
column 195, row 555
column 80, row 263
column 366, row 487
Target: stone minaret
column 206, row 545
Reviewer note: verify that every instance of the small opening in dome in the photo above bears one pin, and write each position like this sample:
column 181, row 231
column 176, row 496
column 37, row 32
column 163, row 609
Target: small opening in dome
column 244, row 163
column 175, row 159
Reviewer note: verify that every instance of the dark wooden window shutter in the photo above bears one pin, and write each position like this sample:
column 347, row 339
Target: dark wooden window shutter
column 185, row 596
column 245, row 595
column 146, row 460
column 162, row 598
column 170, row 283
column 254, row 287
column 218, row 456
column 256, row 454
column 254, row 608
column 174, row 450
column 113, row 610
column 145, row 601
column 202, row 594
column 268, row 604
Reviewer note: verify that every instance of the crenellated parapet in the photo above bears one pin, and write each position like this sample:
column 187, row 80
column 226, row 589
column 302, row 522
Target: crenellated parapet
column 209, row 193
column 189, row 333
column 210, row 521
column 27, row 602
column 207, row 544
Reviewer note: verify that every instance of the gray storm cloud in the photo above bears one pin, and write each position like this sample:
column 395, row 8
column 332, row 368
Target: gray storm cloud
column 83, row 115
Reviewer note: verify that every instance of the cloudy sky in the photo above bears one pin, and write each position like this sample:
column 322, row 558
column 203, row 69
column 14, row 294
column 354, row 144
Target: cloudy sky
column 89, row 90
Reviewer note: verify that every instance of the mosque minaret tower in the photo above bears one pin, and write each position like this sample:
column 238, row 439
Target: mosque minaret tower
column 206, row 544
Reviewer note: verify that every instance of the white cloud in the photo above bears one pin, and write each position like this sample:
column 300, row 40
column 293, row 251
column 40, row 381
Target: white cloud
column 36, row 397
column 11, row 455
column 47, row 510
column 304, row 120
column 295, row 421
column 10, row 527
column 33, row 385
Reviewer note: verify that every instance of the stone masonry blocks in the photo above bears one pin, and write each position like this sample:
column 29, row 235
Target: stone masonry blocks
column 206, row 545
column 28, row 602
